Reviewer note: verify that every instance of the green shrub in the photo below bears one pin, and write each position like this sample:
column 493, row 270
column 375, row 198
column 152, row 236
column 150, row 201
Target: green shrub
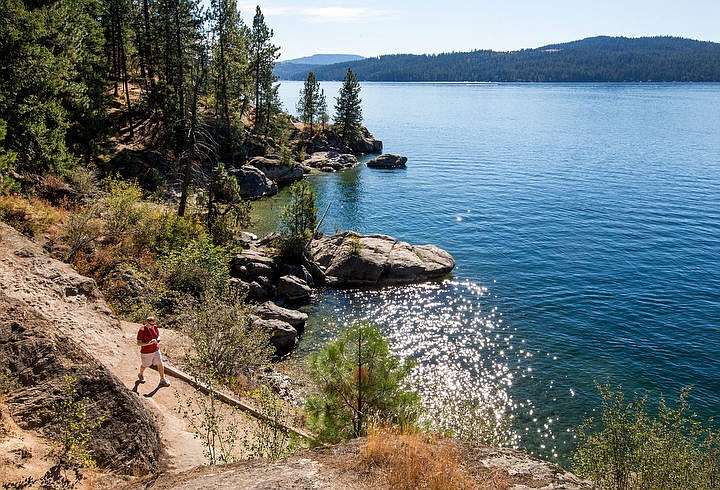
column 359, row 381
column 225, row 341
column 298, row 220
column 355, row 245
column 631, row 449
column 198, row 268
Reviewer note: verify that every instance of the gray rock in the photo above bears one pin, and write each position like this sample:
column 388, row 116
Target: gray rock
column 350, row 259
column 253, row 182
column 257, row 292
column 271, row 311
column 367, row 143
column 251, row 264
column 388, row 160
column 282, row 335
column 277, row 171
column 293, row 288
column 332, row 159
column 38, row 358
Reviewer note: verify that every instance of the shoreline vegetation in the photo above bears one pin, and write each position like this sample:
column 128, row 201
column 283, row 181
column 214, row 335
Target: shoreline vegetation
column 131, row 141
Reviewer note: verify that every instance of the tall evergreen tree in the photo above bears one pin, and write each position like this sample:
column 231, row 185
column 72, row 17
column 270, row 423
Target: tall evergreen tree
column 348, row 110
column 51, row 85
column 262, row 61
column 312, row 101
column 229, row 50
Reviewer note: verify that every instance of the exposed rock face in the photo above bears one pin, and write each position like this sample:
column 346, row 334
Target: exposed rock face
column 276, row 171
column 282, row 335
column 331, row 160
column 253, row 182
column 39, row 358
column 271, row 311
column 339, row 467
column 388, row 160
column 367, row 143
column 350, row 259
column 251, row 264
column 293, row 288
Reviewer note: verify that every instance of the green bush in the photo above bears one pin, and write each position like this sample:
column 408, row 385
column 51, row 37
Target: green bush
column 200, row 267
column 629, row 448
column 360, row 381
column 225, row 341
column 298, row 220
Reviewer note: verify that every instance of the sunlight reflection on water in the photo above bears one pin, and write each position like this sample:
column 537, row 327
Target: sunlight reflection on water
column 467, row 357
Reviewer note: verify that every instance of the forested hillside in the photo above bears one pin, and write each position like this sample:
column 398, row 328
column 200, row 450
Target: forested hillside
column 78, row 77
column 612, row 59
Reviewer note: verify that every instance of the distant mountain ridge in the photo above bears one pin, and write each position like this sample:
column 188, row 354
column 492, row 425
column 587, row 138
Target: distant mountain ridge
column 299, row 67
column 595, row 59
column 324, row 59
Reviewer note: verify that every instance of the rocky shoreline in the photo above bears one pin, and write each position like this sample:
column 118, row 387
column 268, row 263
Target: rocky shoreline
column 343, row 260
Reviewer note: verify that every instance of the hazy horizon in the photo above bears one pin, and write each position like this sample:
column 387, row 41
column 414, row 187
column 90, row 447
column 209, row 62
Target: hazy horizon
column 374, row 28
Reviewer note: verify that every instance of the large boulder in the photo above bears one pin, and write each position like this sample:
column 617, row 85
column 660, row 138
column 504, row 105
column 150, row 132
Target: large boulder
column 271, row 311
column 283, row 336
column 277, row 171
column 293, row 289
column 38, row 359
column 332, row 159
column 252, row 264
column 366, row 143
column 253, row 182
column 350, row 259
column 388, row 160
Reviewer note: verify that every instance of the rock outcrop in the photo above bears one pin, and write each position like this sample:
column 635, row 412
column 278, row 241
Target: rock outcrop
column 330, row 161
column 277, row 171
column 38, row 358
column 271, row 311
column 341, row 467
column 253, row 183
column 367, row 143
column 388, row 161
column 350, row 259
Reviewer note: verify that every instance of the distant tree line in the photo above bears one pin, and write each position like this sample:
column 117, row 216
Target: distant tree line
column 612, row 59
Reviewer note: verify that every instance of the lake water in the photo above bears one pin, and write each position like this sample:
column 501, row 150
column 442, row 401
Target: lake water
column 585, row 222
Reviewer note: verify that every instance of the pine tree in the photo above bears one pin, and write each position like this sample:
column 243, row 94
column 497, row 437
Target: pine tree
column 262, row 61
column 348, row 111
column 312, row 101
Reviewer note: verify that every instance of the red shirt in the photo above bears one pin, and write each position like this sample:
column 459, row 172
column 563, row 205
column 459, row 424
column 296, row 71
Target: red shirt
column 146, row 334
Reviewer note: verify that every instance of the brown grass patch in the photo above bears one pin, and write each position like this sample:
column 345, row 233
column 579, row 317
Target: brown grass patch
column 415, row 460
column 31, row 216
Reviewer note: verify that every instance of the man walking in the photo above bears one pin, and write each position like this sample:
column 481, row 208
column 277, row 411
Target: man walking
column 147, row 339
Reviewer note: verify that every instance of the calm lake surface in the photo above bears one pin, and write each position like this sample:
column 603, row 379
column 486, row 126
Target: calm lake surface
column 585, row 222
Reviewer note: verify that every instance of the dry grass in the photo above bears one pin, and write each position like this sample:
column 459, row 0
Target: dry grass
column 415, row 460
column 31, row 216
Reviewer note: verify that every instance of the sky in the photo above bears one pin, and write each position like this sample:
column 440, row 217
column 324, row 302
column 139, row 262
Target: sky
column 375, row 27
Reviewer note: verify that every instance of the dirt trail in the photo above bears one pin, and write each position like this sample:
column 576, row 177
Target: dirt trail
column 75, row 305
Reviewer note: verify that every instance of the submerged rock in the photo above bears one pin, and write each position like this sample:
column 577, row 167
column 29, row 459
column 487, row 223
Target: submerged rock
column 350, row 259
column 388, row 160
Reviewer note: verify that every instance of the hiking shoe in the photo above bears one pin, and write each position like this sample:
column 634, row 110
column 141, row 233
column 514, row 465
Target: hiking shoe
column 164, row 382
column 141, row 378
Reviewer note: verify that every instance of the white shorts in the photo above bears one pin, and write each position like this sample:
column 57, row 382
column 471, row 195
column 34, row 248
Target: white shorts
column 151, row 359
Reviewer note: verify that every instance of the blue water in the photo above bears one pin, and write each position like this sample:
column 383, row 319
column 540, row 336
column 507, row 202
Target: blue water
column 585, row 222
